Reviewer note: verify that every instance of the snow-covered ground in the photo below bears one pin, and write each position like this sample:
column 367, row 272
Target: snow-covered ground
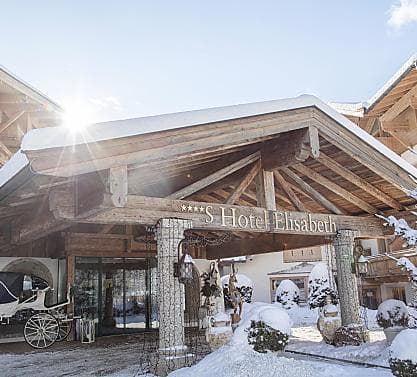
column 238, row 359
column 121, row 357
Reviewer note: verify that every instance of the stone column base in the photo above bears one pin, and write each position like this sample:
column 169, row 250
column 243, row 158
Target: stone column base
column 168, row 360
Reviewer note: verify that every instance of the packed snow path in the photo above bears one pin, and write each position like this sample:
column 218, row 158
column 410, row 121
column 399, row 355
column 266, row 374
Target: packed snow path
column 123, row 360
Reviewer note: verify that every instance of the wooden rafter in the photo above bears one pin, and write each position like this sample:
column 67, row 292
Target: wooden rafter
column 395, row 110
column 327, row 183
column 358, row 181
column 321, row 199
column 214, row 177
column 10, row 122
column 244, row 183
column 289, row 192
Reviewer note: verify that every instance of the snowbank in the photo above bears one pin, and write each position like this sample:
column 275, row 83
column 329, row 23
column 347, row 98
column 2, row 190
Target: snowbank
column 404, row 346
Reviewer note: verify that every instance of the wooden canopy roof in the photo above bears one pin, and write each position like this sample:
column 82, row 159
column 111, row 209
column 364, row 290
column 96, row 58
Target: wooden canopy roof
column 22, row 108
column 294, row 155
column 390, row 115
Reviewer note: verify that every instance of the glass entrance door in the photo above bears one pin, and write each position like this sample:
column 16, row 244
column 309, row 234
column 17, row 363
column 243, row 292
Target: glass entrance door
column 117, row 292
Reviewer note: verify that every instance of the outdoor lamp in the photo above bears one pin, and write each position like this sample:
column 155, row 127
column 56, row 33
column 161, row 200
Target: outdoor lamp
column 362, row 265
column 183, row 270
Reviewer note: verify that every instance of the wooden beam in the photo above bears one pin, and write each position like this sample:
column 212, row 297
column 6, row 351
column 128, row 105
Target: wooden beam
column 358, row 181
column 364, row 152
column 244, row 183
column 38, row 225
column 118, row 185
column 265, row 190
column 395, row 110
column 327, row 183
column 214, row 177
column 5, row 150
column 322, row 200
column 106, row 228
column 291, row 148
column 290, row 193
column 140, row 210
column 266, row 243
column 8, row 123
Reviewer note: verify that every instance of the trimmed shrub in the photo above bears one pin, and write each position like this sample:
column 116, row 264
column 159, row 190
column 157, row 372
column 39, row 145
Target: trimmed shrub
column 392, row 313
column 403, row 354
column 264, row 338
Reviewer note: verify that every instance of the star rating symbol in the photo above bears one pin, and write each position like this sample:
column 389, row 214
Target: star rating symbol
column 192, row 209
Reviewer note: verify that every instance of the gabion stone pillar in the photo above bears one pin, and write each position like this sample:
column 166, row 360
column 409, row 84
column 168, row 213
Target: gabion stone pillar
column 171, row 301
column 346, row 280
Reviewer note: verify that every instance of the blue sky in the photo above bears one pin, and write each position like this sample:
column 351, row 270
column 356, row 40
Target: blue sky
column 121, row 59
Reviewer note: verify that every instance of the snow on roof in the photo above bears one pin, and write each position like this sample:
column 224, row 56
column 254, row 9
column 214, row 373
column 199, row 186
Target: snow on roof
column 13, row 79
column 301, row 268
column 55, row 137
column 12, row 167
column 350, row 109
column 405, row 68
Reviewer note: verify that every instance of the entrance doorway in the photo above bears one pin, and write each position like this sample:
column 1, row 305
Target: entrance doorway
column 117, row 293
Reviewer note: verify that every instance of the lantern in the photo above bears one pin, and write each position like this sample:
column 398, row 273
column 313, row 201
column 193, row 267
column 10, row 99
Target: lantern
column 362, row 265
column 184, row 268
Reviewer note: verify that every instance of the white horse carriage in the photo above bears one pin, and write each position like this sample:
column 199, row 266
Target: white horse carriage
column 47, row 323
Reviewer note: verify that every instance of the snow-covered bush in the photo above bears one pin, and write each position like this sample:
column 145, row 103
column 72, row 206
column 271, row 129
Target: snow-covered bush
column 319, row 287
column 271, row 331
column 392, row 313
column 244, row 285
column 287, row 294
column 403, row 354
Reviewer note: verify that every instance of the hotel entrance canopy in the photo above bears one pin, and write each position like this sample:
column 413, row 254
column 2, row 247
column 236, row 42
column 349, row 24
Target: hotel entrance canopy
column 274, row 175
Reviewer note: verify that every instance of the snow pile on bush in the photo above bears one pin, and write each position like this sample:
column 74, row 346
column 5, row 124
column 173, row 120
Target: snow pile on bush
column 270, row 331
column 255, row 312
column 403, row 354
column 244, row 285
column 287, row 294
column 319, row 287
column 392, row 313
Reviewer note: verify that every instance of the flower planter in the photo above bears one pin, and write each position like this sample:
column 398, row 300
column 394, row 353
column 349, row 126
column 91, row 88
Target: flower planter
column 392, row 332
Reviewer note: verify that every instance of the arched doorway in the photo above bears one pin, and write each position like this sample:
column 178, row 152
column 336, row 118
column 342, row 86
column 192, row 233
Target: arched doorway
column 29, row 266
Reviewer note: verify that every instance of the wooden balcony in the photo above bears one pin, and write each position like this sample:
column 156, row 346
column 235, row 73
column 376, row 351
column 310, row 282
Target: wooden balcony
column 386, row 269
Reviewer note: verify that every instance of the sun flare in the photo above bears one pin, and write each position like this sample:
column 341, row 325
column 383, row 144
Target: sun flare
column 78, row 114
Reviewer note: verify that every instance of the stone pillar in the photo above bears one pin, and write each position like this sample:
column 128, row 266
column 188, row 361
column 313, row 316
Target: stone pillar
column 171, row 300
column 346, row 280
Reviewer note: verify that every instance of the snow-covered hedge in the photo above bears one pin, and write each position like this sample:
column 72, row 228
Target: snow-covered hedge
column 319, row 287
column 271, row 331
column 403, row 354
column 392, row 313
column 287, row 294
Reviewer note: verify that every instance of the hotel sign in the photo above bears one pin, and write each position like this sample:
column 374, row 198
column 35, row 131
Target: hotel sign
column 260, row 220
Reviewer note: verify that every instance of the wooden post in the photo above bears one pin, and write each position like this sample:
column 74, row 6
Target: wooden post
column 265, row 190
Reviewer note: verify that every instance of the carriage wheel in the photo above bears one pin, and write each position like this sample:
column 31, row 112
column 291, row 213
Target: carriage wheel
column 64, row 330
column 41, row 330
